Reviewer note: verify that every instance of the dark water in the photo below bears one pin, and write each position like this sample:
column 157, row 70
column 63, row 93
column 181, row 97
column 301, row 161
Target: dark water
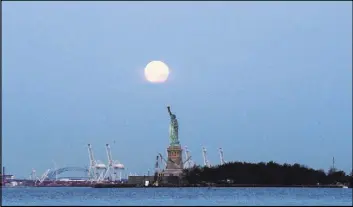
column 176, row 196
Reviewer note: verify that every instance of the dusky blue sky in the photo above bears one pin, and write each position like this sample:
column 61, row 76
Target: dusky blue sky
column 264, row 80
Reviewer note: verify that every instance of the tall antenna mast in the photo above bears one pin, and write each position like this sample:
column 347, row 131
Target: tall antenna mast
column 221, row 156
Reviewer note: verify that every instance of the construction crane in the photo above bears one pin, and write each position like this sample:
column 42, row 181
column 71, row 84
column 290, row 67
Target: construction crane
column 221, row 156
column 33, row 175
column 96, row 169
column 205, row 160
column 163, row 159
column 42, row 178
column 56, row 173
column 113, row 166
column 157, row 173
column 188, row 163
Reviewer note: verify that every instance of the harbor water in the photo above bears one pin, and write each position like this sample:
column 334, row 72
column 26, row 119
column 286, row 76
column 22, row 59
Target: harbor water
column 175, row 196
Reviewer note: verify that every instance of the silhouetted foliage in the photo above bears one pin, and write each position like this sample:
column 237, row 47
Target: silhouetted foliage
column 270, row 173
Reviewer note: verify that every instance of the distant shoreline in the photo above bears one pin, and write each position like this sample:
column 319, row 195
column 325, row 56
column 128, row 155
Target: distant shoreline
column 105, row 185
column 215, row 186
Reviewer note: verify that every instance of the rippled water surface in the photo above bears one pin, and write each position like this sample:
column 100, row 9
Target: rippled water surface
column 176, row 196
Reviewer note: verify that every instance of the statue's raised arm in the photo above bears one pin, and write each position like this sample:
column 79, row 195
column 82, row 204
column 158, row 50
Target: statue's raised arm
column 170, row 113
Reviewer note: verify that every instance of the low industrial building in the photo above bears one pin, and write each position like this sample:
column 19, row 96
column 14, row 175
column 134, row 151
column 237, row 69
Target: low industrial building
column 141, row 180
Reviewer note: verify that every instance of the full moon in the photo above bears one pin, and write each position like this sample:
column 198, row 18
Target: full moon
column 156, row 72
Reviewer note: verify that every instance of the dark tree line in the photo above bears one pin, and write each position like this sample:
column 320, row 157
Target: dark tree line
column 270, row 173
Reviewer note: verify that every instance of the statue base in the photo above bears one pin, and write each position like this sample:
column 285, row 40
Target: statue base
column 174, row 162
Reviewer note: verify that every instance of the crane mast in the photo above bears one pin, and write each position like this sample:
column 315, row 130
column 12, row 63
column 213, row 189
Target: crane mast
column 205, row 161
column 42, row 178
column 157, row 172
column 221, row 156
column 156, row 164
column 109, row 154
column 33, row 175
column 190, row 161
column 92, row 168
column 91, row 157
column 188, row 158
column 114, row 166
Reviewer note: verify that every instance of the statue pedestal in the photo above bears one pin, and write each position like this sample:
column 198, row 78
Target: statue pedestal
column 175, row 161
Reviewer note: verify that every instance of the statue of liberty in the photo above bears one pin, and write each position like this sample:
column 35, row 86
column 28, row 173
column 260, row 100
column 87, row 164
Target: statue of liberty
column 173, row 129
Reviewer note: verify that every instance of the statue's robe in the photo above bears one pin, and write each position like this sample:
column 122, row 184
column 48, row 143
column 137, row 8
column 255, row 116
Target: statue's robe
column 173, row 131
